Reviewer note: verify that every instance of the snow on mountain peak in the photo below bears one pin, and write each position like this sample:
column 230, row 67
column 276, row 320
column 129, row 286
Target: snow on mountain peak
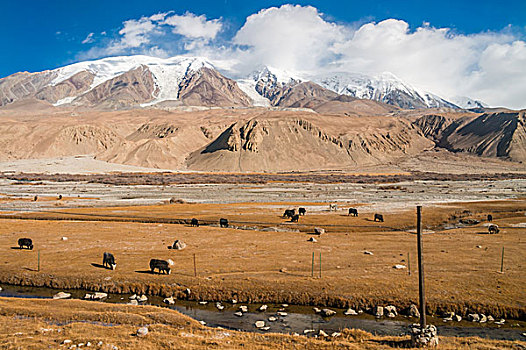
column 275, row 75
column 265, row 79
column 167, row 73
column 384, row 87
column 467, row 103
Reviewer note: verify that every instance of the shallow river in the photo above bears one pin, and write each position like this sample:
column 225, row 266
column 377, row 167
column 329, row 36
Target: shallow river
column 297, row 318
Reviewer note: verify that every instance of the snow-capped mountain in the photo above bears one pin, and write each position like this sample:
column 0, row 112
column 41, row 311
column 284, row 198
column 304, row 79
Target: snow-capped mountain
column 134, row 81
column 385, row 87
column 123, row 82
column 262, row 85
column 467, row 103
column 166, row 73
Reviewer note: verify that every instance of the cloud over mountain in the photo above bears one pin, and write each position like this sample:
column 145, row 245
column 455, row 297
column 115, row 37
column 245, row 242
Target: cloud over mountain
column 486, row 66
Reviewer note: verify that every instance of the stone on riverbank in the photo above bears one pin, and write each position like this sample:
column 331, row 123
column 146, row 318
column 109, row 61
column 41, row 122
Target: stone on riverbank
column 62, row 295
column 350, row 312
column 328, row 312
column 378, row 311
column 169, row 301
column 142, row 332
column 427, row 337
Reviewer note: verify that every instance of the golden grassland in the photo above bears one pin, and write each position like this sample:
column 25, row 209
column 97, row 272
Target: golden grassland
column 38, row 324
column 258, row 266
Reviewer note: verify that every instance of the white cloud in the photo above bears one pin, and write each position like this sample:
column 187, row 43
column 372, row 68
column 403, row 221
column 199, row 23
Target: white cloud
column 290, row 37
column 89, row 39
column 159, row 16
column 501, row 77
column 192, row 26
column 136, row 32
column 157, row 35
column 156, row 51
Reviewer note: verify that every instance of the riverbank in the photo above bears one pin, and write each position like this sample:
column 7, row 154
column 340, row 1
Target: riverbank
column 49, row 323
column 290, row 319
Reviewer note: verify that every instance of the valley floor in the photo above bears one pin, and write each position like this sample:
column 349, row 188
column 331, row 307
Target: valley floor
column 263, row 257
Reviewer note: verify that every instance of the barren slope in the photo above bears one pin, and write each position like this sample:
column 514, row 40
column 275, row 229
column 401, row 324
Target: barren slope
column 501, row 134
column 308, row 142
column 257, row 139
column 128, row 89
column 23, row 85
column 209, row 88
column 76, row 85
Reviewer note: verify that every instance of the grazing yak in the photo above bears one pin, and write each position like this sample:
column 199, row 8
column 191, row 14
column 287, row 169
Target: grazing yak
column 302, row 211
column 162, row 265
column 289, row 213
column 353, row 212
column 333, row 207
column 194, row 222
column 490, row 218
column 108, row 261
column 223, row 222
column 25, row 242
column 295, row 218
column 493, row 229
column 378, row 217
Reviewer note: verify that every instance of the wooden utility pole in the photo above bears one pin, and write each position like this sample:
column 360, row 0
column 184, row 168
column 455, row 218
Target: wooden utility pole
column 421, row 286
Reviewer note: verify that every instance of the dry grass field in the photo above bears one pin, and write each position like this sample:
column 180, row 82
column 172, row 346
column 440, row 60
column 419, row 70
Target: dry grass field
column 251, row 265
column 38, row 324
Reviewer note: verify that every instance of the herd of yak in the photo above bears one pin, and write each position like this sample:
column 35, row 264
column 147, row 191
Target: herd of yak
column 163, row 266
column 291, row 213
column 108, row 259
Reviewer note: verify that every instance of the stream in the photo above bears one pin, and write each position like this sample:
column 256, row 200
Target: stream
column 297, row 318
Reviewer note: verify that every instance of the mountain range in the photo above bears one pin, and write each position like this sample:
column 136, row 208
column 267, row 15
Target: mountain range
column 184, row 113
column 142, row 81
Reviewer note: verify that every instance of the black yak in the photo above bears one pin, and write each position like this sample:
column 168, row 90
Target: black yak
column 162, row 265
column 108, row 261
column 25, row 242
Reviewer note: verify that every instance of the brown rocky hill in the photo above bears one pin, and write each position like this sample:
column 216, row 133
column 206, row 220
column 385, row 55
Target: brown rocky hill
column 313, row 96
column 73, row 86
column 501, row 134
column 343, row 104
column 255, row 139
column 23, row 85
column 128, row 89
column 302, row 95
column 209, row 88
column 308, row 142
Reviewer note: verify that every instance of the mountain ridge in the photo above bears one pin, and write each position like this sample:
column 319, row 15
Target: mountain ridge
column 64, row 85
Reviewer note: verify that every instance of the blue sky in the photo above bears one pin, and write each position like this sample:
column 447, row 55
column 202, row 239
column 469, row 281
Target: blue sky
column 449, row 47
column 38, row 35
